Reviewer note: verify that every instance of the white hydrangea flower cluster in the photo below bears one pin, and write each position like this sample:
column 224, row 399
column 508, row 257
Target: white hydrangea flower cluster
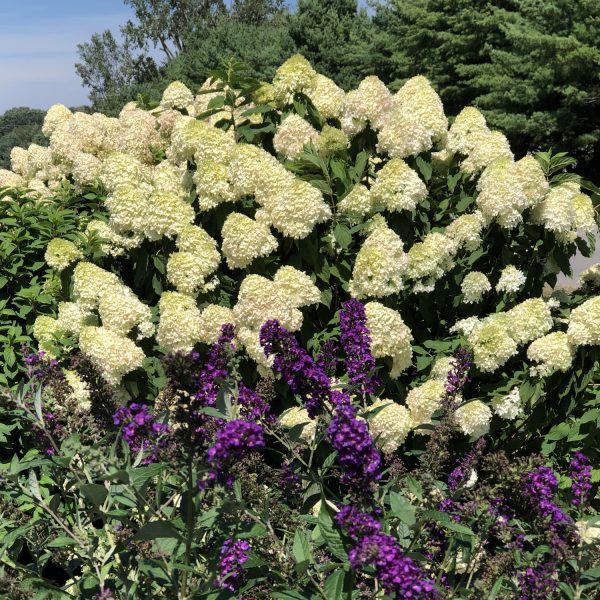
column 564, row 210
column 507, row 188
column 470, row 136
column 473, row 418
column 197, row 258
column 178, row 96
column 591, row 276
column 380, row 264
column 508, row 406
column 212, row 319
column 327, row 97
column 389, row 424
column 295, row 75
column 511, row 280
column 61, row 253
column 584, row 323
column 466, row 230
column 261, row 299
column 552, row 352
column 292, row 417
column 389, row 336
column 496, row 338
column 442, row 367
column 416, row 119
column 474, row 286
column 245, row 239
column 179, row 324
column 429, row 260
column 357, row 204
column 119, row 311
column 115, row 355
column 423, row 400
column 398, row 187
column 371, row 103
column 80, row 391
column 292, row 135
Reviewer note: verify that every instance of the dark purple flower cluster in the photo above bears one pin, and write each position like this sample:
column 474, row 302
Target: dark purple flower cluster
column 253, row 406
column 465, row 466
column 356, row 342
column 216, row 367
column 539, row 487
column 140, row 430
column 233, row 441
column 298, row 369
column 580, row 473
column 537, row 583
column 39, row 366
column 397, row 573
column 356, row 451
column 234, row 553
column 458, row 376
column 327, row 359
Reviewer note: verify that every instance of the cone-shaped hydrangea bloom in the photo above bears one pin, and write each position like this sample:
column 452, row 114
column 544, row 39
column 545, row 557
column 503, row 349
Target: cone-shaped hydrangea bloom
column 297, row 368
column 234, row 553
column 356, row 342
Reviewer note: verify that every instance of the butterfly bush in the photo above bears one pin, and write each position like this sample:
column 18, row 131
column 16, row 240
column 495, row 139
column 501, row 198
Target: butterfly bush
column 306, row 344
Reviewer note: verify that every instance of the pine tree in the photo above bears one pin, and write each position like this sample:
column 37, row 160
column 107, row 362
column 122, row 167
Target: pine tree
column 335, row 37
column 532, row 66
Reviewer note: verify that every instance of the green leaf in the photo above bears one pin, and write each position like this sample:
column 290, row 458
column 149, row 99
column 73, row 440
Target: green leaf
column 334, row 586
column 330, row 535
column 342, row 235
column 402, row 508
column 94, row 493
column 34, row 486
column 156, row 529
column 139, row 476
column 424, row 168
column 61, row 541
column 301, row 547
column 496, row 588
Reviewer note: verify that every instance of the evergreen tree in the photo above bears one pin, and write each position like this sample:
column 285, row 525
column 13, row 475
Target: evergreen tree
column 335, row 36
column 20, row 127
column 532, row 66
column 262, row 47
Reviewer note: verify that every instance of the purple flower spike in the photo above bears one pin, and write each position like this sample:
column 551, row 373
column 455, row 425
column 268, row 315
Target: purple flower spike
column 356, row 343
column 140, row 429
column 355, row 447
column 465, row 466
column 233, row 555
column 539, row 487
column 233, row 441
column 398, row 573
column 581, row 474
column 298, row 369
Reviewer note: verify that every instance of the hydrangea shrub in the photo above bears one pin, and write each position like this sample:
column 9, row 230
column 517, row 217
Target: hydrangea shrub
column 306, row 347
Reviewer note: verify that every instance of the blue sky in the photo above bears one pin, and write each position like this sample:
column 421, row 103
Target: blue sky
column 38, row 47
